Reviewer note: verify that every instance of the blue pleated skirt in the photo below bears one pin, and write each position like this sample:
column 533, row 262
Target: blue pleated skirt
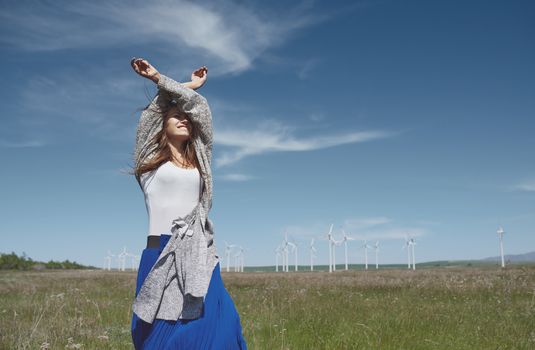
column 219, row 327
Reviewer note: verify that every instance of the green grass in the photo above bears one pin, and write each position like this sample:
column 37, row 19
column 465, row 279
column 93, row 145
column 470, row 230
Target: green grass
column 432, row 308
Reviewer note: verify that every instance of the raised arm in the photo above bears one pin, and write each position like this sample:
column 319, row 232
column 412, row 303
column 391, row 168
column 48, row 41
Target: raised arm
column 189, row 101
column 192, row 103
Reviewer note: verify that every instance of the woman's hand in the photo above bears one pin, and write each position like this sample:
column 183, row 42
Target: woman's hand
column 198, row 77
column 145, row 69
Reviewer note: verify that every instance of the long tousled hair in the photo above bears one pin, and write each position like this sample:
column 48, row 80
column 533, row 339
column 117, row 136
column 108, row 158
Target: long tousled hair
column 162, row 151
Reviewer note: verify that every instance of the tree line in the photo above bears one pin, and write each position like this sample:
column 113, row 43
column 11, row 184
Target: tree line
column 14, row 262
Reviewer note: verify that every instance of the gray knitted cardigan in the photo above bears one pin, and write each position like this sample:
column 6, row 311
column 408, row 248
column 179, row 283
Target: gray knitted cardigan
column 178, row 282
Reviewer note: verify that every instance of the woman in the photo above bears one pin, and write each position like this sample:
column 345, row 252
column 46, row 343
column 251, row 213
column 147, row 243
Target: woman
column 181, row 302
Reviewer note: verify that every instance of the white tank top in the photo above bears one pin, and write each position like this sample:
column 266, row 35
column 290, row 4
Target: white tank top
column 170, row 192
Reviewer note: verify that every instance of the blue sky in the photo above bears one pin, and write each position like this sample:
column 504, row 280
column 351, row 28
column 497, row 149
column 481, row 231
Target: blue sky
column 384, row 118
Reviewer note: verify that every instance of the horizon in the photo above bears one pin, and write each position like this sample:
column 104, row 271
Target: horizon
column 491, row 260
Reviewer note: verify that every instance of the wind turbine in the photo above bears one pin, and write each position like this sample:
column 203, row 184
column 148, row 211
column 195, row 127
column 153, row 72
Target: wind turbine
column 294, row 250
column 236, row 261
column 108, row 260
column 277, row 255
column 228, row 249
column 286, row 244
column 133, row 260
column 122, row 258
column 312, row 255
column 284, row 255
column 365, row 246
column 330, row 239
column 407, row 246
column 376, row 248
column 335, row 243
column 284, row 252
column 500, row 233
column 346, row 238
column 242, row 258
column 412, row 244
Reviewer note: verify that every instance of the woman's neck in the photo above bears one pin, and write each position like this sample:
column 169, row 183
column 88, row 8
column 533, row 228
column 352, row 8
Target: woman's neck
column 178, row 150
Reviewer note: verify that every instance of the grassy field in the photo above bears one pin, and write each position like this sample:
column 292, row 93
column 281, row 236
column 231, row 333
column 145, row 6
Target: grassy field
column 434, row 308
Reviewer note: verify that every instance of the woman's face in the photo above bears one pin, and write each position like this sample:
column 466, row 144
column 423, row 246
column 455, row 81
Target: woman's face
column 177, row 125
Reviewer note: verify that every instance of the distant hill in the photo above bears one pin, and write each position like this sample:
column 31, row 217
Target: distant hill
column 486, row 262
column 527, row 257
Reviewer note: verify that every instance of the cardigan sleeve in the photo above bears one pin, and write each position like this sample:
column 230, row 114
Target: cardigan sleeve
column 149, row 123
column 189, row 101
column 194, row 105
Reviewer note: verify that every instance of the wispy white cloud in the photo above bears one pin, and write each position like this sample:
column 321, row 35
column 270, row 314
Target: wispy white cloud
column 233, row 35
column 316, row 117
column 96, row 105
column 370, row 228
column 379, row 227
column 51, row 109
column 364, row 223
column 527, row 186
column 272, row 136
column 428, row 222
column 306, row 231
column 391, row 233
column 307, row 67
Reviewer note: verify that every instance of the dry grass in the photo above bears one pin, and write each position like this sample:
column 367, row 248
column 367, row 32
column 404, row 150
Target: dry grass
column 388, row 309
column 470, row 308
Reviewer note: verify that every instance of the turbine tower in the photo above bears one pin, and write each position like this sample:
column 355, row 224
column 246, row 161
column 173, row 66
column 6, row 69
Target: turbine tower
column 286, row 251
column 108, row 260
column 312, row 255
column 376, row 248
column 346, row 238
column 122, row 258
column 242, row 258
column 236, row 261
column 277, row 255
column 133, row 259
column 407, row 246
column 239, row 260
column 335, row 243
column 330, row 242
column 412, row 244
column 228, row 249
column 294, row 250
column 500, row 233
column 365, row 246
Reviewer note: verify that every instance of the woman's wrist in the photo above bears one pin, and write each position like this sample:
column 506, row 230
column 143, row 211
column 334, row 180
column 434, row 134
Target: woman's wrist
column 156, row 78
column 191, row 85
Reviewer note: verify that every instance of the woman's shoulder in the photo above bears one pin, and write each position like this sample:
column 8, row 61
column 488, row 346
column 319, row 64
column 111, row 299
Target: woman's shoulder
column 146, row 176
